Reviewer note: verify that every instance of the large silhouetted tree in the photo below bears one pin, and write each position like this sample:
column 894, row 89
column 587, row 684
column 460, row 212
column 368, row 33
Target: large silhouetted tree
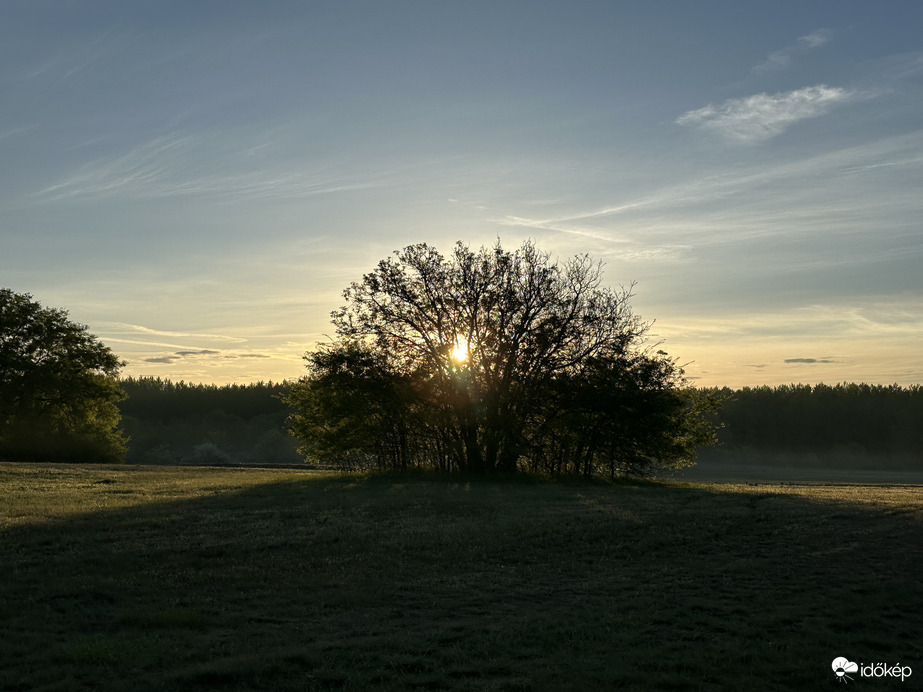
column 493, row 361
column 58, row 387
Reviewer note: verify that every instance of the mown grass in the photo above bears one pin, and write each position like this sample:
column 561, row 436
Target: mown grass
column 164, row 578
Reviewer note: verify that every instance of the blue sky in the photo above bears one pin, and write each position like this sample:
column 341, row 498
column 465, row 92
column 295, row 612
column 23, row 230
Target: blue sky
column 198, row 181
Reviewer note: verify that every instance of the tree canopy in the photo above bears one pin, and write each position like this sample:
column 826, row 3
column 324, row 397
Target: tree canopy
column 494, row 361
column 58, row 387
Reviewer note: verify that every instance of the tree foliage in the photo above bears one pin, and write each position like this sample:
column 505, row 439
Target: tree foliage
column 494, row 361
column 58, row 387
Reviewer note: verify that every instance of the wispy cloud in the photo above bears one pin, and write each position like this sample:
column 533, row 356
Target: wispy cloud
column 127, row 328
column 183, row 166
column 562, row 225
column 70, row 62
column 135, row 342
column 757, row 118
column 835, row 192
column 809, row 360
column 889, row 319
column 16, row 131
column 783, row 58
column 618, row 245
column 901, row 67
column 143, row 169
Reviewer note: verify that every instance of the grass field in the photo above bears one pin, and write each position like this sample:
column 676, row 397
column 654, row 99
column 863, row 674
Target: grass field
column 167, row 578
column 775, row 474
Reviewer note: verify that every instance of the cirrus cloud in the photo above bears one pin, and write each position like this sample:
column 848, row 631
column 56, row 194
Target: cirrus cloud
column 757, row 118
column 781, row 59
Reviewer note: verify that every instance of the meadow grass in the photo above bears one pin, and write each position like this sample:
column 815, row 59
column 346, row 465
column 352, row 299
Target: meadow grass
column 167, row 578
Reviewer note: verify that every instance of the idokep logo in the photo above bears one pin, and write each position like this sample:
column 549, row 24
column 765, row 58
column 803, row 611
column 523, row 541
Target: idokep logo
column 843, row 666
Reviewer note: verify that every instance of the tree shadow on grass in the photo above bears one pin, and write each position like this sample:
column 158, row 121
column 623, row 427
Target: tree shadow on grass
column 328, row 582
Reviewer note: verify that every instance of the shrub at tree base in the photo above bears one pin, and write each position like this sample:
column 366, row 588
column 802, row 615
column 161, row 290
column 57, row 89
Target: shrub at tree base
column 495, row 362
column 58, row 387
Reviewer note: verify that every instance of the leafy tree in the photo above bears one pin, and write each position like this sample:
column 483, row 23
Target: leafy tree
column 353, row 410
column 624, row 416
column 58, row 387
column 494, row 361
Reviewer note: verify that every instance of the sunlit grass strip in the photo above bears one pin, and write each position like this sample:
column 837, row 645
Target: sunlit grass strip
column 41, row 492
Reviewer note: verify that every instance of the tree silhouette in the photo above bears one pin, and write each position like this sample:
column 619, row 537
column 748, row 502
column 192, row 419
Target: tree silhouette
column 476, row 362
column 58, row 387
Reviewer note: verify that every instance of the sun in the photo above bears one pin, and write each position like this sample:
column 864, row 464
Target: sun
column 460, row 350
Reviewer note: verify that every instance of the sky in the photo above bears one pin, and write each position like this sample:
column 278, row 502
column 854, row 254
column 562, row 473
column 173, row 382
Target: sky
column 198, row 181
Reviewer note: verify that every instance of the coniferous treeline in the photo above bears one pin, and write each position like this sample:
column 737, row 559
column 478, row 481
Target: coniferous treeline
column 844, row 425
column 178, row 422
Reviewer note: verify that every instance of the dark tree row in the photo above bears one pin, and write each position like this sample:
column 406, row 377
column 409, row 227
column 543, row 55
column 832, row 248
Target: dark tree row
column 841, row 425
column 179, row 422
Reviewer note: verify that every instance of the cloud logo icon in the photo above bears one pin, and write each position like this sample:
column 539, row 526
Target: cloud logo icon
column 841, row 666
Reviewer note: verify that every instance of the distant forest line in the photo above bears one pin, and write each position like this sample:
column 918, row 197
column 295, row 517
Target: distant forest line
column 843, row 425
column 183, row 423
